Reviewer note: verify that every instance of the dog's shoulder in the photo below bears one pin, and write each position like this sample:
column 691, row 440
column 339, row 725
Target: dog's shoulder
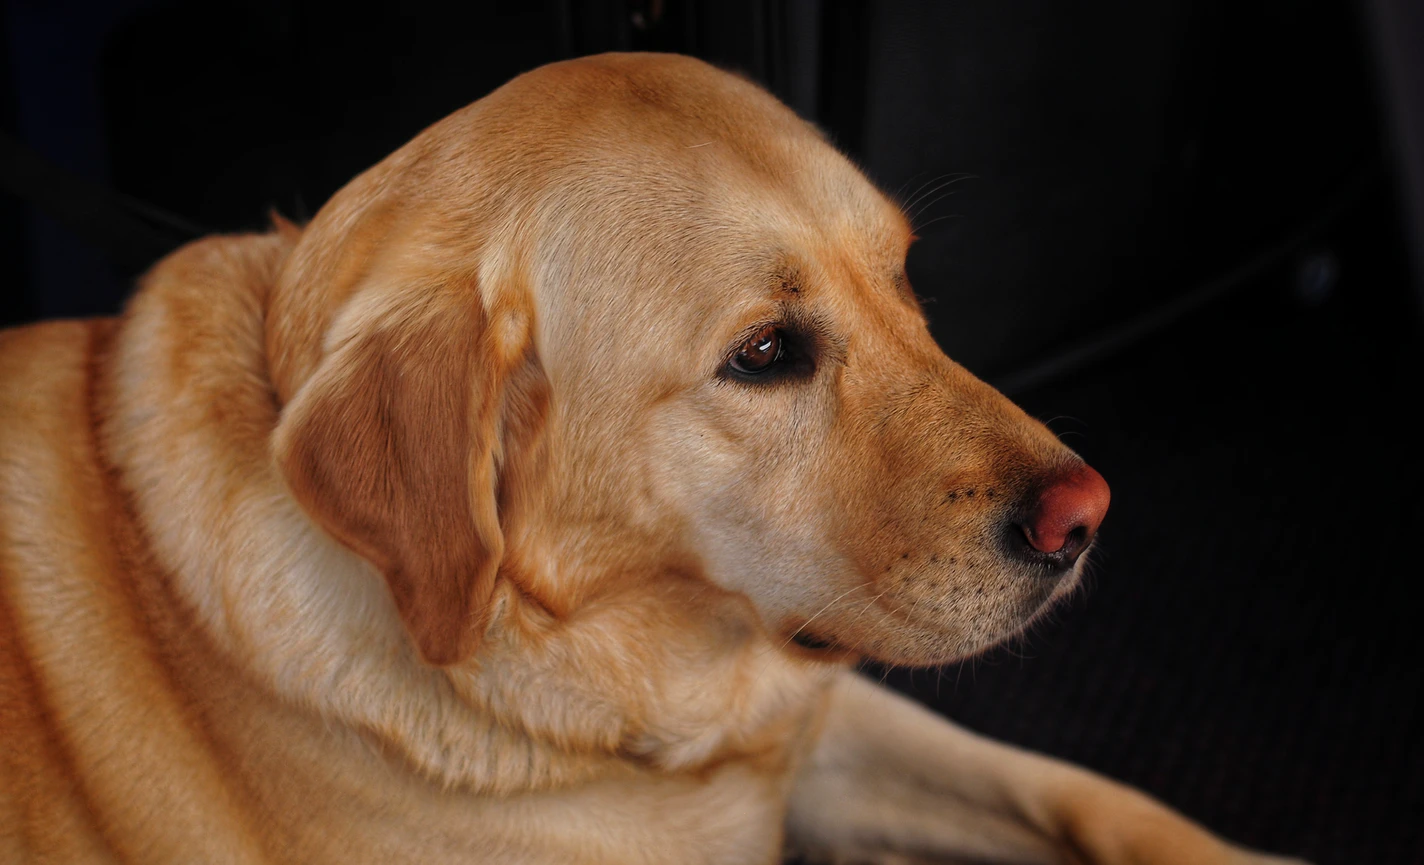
column 91, row 713
column 46, row 368
column 48, row 469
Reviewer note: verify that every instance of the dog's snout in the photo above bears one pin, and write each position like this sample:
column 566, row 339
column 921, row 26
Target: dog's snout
column 1060, row 524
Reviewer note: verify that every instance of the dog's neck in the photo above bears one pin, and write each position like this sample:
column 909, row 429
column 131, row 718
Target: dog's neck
column 548, row 701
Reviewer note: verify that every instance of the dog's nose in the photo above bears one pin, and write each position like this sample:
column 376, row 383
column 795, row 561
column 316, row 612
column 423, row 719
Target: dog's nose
column 1061, row 524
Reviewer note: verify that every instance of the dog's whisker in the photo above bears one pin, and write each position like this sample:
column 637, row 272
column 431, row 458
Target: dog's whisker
column 932, row 195
column 867, row 606
column 900, row 190
column 918, row 189
column 806, row 623
column 769, row 652
column 921, row 228
column 925, row 207
column 920, row 196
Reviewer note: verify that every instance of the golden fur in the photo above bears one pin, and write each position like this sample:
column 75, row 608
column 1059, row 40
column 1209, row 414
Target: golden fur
column 436, row 530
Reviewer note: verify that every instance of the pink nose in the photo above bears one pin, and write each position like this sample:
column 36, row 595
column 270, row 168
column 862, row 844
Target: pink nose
column 1068, row 514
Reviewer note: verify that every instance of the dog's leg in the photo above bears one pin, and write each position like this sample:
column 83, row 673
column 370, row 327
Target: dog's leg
column 891, row 782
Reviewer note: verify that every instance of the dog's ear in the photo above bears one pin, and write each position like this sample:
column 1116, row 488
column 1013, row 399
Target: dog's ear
column 395, row 443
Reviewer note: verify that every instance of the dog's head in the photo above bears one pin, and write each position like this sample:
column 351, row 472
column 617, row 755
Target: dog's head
column 628, row 318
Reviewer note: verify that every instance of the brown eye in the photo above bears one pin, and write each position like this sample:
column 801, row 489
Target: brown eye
column 758, row 353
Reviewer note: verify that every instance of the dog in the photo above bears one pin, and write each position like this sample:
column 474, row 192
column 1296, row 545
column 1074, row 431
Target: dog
column 532, row 505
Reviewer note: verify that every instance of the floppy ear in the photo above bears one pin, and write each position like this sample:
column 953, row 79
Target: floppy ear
column 393, row 446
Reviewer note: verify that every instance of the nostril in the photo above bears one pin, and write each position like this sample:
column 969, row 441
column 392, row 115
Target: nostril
column 1062, row 521
column 1053, row 540
column 1021, row 545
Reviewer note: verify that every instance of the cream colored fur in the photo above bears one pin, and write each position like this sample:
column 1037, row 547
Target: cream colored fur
column 211, row 654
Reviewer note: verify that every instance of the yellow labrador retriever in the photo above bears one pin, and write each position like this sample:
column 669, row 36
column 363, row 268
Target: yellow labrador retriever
column 530, row 506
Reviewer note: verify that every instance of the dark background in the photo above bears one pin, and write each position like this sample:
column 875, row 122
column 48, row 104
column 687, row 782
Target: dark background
column 1174, row 230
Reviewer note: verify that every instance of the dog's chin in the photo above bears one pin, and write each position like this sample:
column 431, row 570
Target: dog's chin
column 1020, row 619
column 932, row 644
column 902, row 648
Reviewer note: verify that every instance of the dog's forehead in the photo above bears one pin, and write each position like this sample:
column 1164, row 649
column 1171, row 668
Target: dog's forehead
column 741, row 171
column 692, row 137
column 657, row 183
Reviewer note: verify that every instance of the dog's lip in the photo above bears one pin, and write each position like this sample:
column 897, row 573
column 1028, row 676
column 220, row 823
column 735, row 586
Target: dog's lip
column 817, row 647
column 807, row 640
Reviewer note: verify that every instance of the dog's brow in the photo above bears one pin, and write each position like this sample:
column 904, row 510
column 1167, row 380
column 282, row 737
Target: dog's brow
column 788, row 280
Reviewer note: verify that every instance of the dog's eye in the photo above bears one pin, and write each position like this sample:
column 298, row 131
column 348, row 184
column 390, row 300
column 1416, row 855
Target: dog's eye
column 760, row 353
